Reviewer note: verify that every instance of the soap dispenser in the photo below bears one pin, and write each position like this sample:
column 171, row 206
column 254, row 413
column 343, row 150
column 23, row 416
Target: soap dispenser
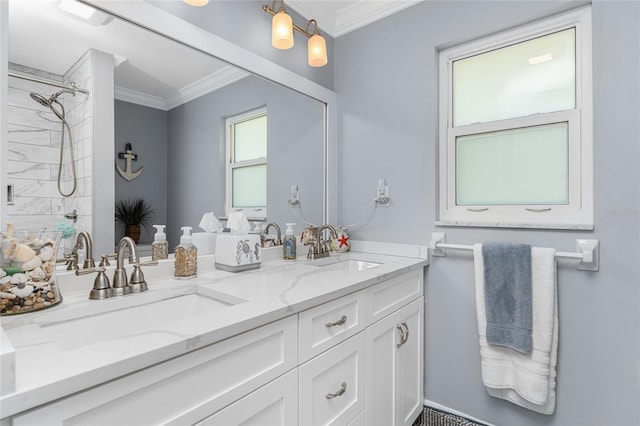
column 160, row 246
column 186, row 255
column 289, row 243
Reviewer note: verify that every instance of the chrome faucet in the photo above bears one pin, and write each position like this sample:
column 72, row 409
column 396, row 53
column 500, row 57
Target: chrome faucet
column 319, row 246
column 277, row 241
column 138, row 284
column 88, row 246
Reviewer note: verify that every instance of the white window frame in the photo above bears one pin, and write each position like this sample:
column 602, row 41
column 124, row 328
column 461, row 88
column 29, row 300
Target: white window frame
column 255, row 212
column 578, row 213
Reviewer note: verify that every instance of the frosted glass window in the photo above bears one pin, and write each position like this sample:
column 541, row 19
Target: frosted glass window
column 250, row 186
column 520, row 166
column 250, row 139
column 535, row 76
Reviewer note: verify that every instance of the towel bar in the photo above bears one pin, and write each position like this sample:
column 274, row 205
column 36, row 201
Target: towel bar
column 588, row 251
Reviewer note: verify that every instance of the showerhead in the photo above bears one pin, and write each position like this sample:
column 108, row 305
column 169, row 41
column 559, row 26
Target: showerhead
column 40, row 99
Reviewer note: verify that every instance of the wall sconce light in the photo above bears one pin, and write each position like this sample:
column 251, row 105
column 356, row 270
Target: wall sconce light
column 282, row 27
column 196, row 3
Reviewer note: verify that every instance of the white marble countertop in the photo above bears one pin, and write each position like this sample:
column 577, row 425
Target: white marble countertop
column 54, row 362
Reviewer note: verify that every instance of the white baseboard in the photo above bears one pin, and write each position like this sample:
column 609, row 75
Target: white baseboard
column 441, row 407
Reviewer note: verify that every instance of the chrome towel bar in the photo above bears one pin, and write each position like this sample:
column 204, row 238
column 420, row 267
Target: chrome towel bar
column 587, row 251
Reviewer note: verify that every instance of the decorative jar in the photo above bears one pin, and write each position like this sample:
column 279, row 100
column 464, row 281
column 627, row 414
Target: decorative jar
column 28, row 271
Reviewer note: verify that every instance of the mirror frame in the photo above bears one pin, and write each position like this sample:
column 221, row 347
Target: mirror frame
column 165, row 24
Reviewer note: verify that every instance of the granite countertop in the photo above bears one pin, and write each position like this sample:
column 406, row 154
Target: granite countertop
column 56, row 354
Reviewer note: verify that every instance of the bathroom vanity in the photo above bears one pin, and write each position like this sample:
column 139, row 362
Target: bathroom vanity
column 331, row 341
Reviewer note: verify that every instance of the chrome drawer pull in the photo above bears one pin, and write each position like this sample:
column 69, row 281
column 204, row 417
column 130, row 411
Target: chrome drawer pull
column 399, row 327
column 341, row 321
column 341, row 391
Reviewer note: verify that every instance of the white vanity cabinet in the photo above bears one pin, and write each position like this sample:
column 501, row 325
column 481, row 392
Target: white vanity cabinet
column 394, row 367
column 275, row 404
column 355, row 360
column 183, row 390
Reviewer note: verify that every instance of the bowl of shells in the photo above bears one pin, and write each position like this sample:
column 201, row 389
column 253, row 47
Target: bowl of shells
column 28, row 271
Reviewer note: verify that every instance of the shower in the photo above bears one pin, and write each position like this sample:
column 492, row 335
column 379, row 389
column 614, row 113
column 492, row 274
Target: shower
column 58, row 109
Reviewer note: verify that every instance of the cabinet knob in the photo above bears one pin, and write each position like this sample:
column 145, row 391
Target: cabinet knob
column 340, row 392
column 341, row 321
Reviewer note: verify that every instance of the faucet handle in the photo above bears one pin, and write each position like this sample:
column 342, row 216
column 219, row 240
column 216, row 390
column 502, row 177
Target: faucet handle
column 137, row 281
column 101, row 289
column 105, row 259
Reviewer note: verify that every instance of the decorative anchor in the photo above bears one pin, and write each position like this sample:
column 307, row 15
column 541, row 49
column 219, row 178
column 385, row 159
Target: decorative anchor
column 128, row 155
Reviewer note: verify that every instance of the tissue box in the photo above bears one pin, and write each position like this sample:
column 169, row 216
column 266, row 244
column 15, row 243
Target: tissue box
column 205, row 241
column 235, row 253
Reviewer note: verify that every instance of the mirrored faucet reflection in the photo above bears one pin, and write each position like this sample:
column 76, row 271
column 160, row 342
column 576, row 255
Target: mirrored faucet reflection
column 318, row 246
column 268, row 242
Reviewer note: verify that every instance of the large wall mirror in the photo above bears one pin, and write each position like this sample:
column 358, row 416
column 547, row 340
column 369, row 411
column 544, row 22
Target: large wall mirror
column 151, row 124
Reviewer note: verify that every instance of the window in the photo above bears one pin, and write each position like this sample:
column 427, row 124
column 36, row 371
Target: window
column 515, row 146
column 247, row 164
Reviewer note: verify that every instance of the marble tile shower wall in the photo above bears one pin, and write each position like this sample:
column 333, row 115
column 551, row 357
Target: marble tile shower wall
column 34, row 151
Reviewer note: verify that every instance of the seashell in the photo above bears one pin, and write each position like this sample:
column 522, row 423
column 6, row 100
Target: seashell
column 31, row 264
column 4, row 295
column 3, row 273
column 5, row 280
column 19, row 279
column 20, row 252
column 35, row 243
column 46, row 252
column 24, row 292
column 40, row 285
column 37, row 274
column 48, row 268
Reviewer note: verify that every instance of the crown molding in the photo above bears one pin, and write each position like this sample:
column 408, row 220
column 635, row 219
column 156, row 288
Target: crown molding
column 219, row 79
column 139, row 98
column 354, row 15
column 363, row 13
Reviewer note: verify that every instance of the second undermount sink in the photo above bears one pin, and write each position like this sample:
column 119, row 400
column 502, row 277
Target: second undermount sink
column 350, row 265
column 130, row 318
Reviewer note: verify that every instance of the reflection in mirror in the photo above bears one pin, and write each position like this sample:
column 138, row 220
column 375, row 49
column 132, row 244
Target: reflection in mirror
column 168, row 104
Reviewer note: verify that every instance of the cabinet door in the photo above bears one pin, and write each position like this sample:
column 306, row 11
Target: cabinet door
column 394, row 367
column 275, row 404
column 332, row 385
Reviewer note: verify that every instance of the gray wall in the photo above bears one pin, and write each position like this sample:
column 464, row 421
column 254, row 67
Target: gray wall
column 197, row 153
column 244, row 23
column 146, row 129
column 388, row 128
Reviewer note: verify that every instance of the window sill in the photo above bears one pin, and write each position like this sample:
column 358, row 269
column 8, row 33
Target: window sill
column 578, row 226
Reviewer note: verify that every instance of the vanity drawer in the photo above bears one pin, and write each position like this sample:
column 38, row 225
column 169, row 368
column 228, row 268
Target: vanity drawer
column 275, row 404
column 183, row 390
column 332, row 385
column 382, row 299
column 327, row 325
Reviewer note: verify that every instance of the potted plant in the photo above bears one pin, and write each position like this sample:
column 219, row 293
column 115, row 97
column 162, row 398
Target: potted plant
column 133, row 214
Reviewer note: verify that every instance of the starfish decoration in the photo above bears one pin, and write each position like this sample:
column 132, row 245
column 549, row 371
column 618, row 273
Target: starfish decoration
column 344, row 240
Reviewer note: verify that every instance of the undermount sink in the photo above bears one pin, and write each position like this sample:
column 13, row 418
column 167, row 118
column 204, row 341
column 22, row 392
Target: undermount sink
column 350, row 265
column 129, row 318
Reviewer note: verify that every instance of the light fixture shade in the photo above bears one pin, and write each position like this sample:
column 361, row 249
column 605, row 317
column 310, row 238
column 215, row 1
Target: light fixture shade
column 282, row 31
column 197, row 3
column 317, row 51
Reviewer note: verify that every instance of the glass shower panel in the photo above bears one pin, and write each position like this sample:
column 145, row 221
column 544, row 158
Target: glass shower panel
column 536, row 76
column 520, row 166
column 250, row 186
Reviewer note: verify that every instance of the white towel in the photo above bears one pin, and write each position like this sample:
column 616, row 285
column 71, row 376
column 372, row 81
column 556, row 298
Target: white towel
column 528, row 380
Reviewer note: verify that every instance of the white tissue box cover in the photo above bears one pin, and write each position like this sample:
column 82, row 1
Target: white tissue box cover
column 238, row 252
column 205, row 241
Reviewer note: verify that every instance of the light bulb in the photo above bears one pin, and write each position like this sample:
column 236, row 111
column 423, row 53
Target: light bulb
column 282, row 31
column 317, row 50
column 196, row 3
